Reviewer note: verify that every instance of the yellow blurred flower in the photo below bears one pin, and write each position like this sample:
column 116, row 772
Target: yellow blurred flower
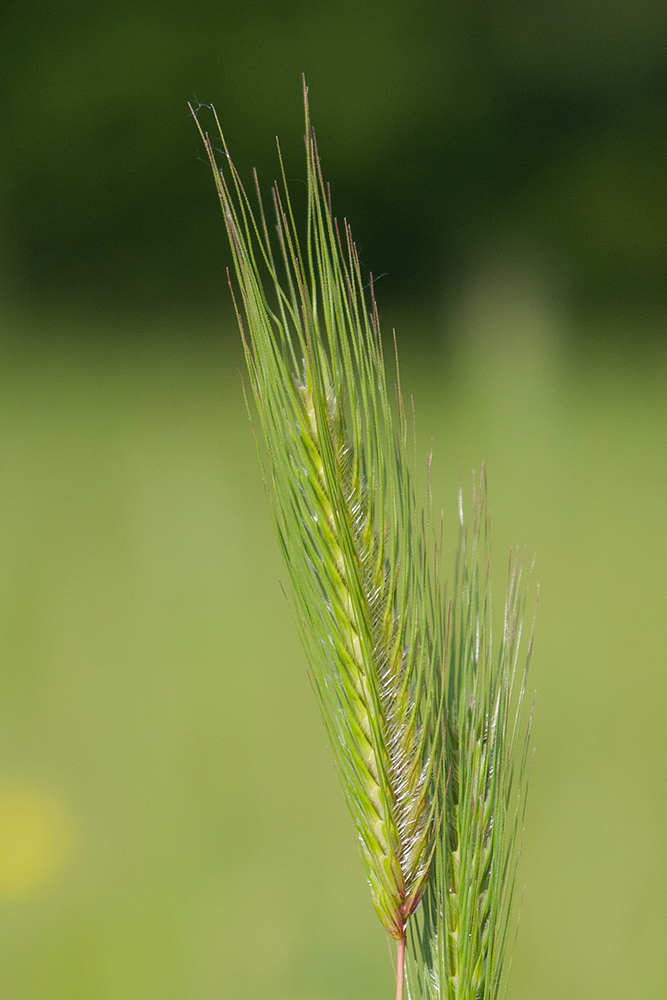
column 36, row 834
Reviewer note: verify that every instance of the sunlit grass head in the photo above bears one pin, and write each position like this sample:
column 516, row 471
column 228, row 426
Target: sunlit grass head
column 383, row 647
column 460, row 942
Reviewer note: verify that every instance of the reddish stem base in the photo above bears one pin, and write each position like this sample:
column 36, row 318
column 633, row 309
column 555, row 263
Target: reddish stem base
column 400, row 969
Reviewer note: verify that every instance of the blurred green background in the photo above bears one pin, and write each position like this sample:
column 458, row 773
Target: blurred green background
column 170, row 824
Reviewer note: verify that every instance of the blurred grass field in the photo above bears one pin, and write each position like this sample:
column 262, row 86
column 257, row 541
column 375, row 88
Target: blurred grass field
column 170, row 823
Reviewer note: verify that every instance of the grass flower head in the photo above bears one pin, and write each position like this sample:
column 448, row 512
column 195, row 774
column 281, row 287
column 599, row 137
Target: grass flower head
column 415, row 711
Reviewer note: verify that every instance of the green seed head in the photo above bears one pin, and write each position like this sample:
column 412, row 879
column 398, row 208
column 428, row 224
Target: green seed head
column 337, row 469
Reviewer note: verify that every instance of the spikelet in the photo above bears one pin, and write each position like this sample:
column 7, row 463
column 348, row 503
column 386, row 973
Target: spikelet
column 458, row 951
column 345, row 511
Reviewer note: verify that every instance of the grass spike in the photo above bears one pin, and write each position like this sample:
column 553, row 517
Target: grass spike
column 347, row 523
column 458, row 945
column 424, row 721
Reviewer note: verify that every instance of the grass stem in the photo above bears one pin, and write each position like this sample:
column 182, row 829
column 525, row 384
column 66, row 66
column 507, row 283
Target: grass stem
column 400, row 968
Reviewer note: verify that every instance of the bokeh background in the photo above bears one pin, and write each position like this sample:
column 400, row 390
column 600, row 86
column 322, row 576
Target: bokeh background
column 170, row 824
